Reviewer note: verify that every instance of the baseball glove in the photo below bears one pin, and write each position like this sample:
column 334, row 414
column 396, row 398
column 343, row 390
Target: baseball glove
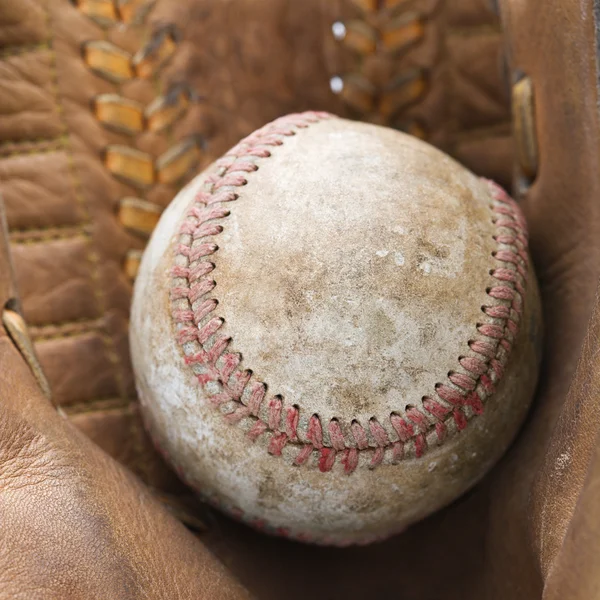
column 110, row 106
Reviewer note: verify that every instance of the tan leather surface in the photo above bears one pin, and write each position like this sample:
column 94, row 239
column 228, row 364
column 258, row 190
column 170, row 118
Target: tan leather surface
column 557, row 455
column 68, row 243
column 565, row 496
column 246, row 62
column 75, row 524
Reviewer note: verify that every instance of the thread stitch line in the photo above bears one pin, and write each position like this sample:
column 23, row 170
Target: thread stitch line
column 442, row 412
column 382, row 33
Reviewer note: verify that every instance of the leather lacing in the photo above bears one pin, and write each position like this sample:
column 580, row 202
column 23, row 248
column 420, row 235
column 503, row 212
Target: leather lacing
column 386, row 30
column 125, row 162
column 524, row 128
column 16, row 328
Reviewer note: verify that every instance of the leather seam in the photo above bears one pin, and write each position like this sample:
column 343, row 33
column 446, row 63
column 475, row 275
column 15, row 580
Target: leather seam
column 10, row 51
column 74, row 330
column 41, row 146
column 141, row 465
column 27, row 237
column 99, row 405
column 92, row 259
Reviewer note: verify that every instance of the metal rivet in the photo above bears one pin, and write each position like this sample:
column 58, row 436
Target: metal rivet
column 339, row 30
column 336, row 83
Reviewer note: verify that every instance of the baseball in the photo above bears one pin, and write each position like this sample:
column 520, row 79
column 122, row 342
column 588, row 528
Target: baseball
column 335, row 330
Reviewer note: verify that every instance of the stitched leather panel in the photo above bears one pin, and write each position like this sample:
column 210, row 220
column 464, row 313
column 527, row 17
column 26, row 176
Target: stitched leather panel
column 30, row 177
column 28, row 110
column 479, row 109
column 480, row 106
column 459, row 54
column 55, row 285
column 77, row 365
column 22, row 23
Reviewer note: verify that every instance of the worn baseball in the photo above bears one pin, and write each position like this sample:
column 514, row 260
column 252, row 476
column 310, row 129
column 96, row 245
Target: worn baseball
column 335, row 330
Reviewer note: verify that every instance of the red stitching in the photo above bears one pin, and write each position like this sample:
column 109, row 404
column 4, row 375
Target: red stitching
column 444, row 411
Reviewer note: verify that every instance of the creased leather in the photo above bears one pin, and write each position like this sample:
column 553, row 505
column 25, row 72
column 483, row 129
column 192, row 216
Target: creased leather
column 566, row 517
column 75, row 524
column 556, row 48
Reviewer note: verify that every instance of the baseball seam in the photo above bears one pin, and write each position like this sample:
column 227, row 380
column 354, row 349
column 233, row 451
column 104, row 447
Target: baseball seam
column 239, row 395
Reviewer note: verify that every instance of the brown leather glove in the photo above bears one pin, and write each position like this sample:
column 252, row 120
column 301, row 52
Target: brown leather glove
column 531, row 529
column 127, row 112
column 74, row 523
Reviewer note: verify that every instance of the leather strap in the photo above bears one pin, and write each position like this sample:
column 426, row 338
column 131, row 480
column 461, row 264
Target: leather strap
column 12, row 319
column 8, row 290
